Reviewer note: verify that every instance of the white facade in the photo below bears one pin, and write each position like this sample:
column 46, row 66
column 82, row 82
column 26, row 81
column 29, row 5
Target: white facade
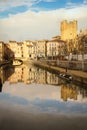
column 29, row 50
column 41, row 48
column 55, row 48
column 52, row 48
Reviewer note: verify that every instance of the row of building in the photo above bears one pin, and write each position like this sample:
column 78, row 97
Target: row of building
column 70, row 42
column 28, row 50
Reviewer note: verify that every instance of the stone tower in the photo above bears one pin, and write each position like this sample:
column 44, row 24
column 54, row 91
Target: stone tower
column 68, row 30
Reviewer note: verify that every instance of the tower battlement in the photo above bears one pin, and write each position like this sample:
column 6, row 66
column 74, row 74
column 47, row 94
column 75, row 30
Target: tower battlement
column 68, row 30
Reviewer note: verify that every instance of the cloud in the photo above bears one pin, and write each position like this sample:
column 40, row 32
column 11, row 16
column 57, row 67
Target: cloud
column 6, row 4
column 40, row 25
column 85, row 1
column 32, row 92
column 49, row 0
column 70, row 4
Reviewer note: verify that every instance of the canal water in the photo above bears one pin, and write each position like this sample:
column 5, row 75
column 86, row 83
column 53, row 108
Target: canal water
column 35, row 99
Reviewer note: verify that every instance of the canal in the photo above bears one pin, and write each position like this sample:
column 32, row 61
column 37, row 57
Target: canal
column 34, row 99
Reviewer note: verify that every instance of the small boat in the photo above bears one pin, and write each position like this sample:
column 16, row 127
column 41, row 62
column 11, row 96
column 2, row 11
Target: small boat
column 65, row 76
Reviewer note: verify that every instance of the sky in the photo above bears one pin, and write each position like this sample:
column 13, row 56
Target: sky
column 39, row 19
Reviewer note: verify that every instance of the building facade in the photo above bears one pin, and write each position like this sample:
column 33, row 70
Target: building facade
column 68, row 30
column 29, row 49
column 41, row 48
column 55, row 48
column 16, row 49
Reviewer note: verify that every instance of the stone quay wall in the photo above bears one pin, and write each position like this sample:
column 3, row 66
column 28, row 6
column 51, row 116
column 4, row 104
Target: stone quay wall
column 73, row 65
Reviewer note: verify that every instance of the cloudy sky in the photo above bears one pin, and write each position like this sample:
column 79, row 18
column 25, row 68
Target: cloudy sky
column 38, row 19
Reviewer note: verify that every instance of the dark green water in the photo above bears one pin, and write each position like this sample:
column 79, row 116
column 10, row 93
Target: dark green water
column 34, row 99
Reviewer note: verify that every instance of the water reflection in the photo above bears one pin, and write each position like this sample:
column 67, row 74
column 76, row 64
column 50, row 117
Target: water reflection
column 0, row 85
column 5, row 73
column 33, row 98
column 71, row 91
column 29, row 74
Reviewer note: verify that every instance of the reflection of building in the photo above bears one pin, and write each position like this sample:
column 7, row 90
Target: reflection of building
column 2, row 75
column 68, row 30
column 5, row 73
column 41, row 76
column 83, row 92
column 30, row 74
column 24, row 74
column 16, row 76
column 69, row 92
column 1, row 50
column 52, row 79
column 0, row 85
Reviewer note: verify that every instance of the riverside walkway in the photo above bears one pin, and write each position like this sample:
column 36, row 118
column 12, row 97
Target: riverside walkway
column 77, row 75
